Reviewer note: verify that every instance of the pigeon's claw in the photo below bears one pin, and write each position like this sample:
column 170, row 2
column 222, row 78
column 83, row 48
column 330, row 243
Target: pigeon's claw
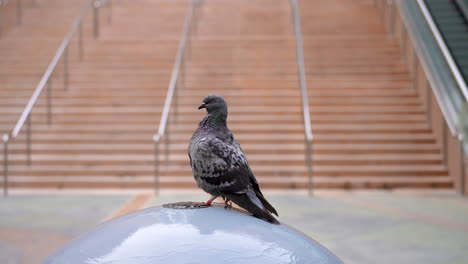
column 208, row 203
column 227, row 204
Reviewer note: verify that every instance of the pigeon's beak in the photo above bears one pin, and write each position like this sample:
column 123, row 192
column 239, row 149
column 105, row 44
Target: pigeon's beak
column 201, row 106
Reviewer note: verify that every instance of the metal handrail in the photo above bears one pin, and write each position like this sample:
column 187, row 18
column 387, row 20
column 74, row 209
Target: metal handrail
column 62, row 52
column 403, row 36
column 443, row 47
column 458, row 78
column 304, row 92
column 176, row 70
column 447, row 121
column 48, row 73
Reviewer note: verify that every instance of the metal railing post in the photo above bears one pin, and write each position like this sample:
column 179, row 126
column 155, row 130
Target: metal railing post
column 444, row 142
column 80, row 41
column 186, row 58
column 428, row 104
column 5, row 164
column 176, row 104
column 462, row 164
column 97, row 5
column 28, row 140
column 65, row 69
column 19, row 11
column 403, row 42
column 49, row 102
column 383, row 12
column 109, row 17
column 304, row 92
column 199, row 15
column 415, row 70
column 1, row 18
column 194, row 26
column 181, row 79
column 166, row 140
column 391, row 23
column 156, row 165
column 308, row 159
column 164, row 124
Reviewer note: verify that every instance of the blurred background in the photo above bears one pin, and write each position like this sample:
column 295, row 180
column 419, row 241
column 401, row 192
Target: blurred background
column 353, row 116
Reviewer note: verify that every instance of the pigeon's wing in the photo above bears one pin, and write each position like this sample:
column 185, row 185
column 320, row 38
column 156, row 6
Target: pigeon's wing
column 228, row 170
column 233, row 175
column 252, row 179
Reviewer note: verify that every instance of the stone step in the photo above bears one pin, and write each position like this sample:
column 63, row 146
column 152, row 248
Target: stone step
column 249, row 148
column 147, row 182
column 93, row 159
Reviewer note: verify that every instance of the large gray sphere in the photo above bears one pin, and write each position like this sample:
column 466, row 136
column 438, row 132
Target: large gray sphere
column 187, row 235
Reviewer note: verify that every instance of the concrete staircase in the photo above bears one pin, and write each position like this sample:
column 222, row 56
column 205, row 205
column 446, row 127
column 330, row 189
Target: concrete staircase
column 27, row 49
column 370, row 128
column 102, row 126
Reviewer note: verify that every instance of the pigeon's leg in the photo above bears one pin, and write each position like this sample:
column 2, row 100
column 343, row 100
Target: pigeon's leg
column 208, row 203
column 227, row 204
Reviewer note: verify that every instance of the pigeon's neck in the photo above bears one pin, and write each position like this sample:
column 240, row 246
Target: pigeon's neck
column 215, row 119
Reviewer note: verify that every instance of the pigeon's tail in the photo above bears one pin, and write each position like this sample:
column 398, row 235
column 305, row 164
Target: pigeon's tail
column 245, row 201
column 265, row 203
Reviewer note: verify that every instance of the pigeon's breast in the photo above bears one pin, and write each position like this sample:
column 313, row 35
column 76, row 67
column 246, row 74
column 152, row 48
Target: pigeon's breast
column 204, row 159
column 206, row 163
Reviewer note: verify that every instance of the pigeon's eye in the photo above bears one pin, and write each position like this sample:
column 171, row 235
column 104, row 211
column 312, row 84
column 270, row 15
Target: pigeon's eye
column 212, row 100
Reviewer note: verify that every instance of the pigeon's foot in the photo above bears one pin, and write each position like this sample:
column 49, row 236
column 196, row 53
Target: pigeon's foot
column 227, row 204
column 208, row 203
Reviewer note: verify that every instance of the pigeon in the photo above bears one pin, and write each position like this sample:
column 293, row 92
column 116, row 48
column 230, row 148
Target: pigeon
column 220, row 166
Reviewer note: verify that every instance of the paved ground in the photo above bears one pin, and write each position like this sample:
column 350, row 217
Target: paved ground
column 360, row 227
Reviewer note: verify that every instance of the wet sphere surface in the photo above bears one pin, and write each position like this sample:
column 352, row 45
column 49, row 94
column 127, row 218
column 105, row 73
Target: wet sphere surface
column 192, row 235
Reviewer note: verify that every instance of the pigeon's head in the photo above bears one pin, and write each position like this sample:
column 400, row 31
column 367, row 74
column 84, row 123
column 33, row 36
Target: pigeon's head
column 214, row 103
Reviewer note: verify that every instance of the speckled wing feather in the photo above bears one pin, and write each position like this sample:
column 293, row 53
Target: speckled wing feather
column 216, row 164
